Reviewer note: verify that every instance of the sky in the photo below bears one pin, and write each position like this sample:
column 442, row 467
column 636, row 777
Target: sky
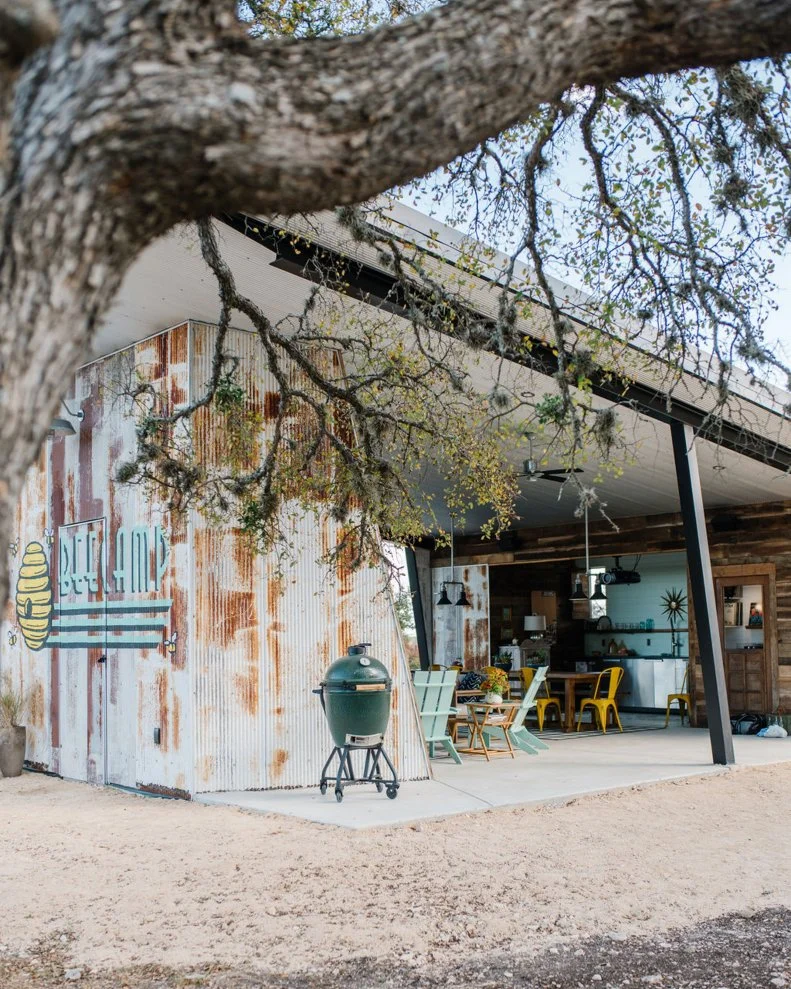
column 778, row 326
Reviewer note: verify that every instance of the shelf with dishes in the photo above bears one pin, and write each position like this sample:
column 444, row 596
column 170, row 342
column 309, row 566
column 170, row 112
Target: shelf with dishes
column 651, row 657
column 632, row 629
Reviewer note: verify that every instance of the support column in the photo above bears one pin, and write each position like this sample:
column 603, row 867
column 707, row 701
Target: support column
column 417, row 609
column 703, row 597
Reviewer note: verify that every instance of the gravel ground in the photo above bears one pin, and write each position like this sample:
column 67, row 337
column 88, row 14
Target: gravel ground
column 139, row 892
column 732, row 952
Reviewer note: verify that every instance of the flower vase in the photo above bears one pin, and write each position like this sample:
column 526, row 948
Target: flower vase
column 491, row 698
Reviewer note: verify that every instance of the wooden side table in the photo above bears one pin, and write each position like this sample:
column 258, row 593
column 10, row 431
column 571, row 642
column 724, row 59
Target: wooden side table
column 483, row 716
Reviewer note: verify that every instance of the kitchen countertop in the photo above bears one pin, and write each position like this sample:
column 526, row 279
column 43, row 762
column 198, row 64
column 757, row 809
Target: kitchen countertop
column 596, row 659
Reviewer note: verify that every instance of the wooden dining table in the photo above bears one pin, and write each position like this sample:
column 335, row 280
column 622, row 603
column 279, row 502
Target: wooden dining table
column 571, row 681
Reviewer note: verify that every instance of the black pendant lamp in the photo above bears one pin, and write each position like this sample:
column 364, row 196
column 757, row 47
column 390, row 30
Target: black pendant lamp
column 579, row 594
column 598, row 594
column 463, row 601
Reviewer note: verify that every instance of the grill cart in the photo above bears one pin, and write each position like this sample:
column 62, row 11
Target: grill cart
column 355, row 694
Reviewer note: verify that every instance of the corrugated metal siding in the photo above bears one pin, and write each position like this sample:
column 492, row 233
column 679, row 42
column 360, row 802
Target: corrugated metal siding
column 232, row 698
column 462, row 633
column 264, row 636
column 91, row 711
column 29, row 669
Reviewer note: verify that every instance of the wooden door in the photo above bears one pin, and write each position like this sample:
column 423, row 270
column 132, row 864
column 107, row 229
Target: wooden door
column 747, row 666
column 746, row 678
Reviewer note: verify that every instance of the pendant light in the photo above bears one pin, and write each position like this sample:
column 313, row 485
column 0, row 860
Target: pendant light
column 579, row 594
column 463, row 601
column 443, row 598
column 598, row 594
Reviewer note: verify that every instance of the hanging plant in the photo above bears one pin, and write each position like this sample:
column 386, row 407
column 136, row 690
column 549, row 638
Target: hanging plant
column 674, row 605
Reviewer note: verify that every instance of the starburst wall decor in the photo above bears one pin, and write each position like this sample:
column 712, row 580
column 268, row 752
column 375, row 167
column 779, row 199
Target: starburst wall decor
column 674, row 605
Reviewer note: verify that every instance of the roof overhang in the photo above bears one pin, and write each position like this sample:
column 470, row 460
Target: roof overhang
column 170, row 283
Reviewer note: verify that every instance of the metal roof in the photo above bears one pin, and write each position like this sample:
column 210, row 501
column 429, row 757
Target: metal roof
column 170, row 283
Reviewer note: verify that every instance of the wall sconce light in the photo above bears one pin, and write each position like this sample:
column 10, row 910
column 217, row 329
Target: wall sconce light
column 63, row 426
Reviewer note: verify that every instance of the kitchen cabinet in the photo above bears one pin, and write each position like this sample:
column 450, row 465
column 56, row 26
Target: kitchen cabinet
column 648, row 680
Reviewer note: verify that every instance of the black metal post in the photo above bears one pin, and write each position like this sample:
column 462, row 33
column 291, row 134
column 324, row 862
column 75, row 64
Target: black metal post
column 417, row 609
column 703, row 599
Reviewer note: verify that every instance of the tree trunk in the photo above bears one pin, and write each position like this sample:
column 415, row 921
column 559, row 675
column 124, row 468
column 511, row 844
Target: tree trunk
column 143, row 113
column 60, row 267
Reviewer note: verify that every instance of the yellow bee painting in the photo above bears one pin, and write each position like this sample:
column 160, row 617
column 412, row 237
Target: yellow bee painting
column 34, row 597
column 12, row 634
column 49, row 536
column 170, row 644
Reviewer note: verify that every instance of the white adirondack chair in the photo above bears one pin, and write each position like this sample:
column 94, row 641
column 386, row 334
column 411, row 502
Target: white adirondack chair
column 518, row 734
column 434, row 695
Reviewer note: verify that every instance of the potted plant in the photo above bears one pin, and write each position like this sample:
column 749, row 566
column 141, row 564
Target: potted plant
column 495, row 685
column 13, row 736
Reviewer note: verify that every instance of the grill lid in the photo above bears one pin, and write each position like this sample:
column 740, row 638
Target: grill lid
column 358, row 672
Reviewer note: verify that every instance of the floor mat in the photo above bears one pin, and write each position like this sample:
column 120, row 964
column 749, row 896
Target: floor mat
column 555, row 733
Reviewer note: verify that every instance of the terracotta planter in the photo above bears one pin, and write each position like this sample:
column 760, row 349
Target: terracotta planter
column 12, row 750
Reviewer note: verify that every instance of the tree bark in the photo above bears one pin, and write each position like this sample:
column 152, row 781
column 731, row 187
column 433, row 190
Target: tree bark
column 144, row 113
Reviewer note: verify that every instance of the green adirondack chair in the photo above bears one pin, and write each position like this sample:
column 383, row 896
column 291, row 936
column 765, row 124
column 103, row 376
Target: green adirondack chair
column 518, row 734
column 434, row 695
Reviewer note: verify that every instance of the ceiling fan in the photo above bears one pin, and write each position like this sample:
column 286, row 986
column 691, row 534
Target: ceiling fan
column 531, row 469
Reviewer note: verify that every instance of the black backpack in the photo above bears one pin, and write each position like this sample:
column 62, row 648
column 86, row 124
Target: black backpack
column 747, row 724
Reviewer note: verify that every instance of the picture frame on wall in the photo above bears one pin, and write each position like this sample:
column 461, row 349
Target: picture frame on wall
column 756, row 619
column 732, row 614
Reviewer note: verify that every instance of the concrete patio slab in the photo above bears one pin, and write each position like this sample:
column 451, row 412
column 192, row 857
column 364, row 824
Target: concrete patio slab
column 571, row 768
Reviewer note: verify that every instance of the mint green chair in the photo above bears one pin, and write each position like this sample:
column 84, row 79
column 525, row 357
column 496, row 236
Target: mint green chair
column 434, row 695
column 517, row 733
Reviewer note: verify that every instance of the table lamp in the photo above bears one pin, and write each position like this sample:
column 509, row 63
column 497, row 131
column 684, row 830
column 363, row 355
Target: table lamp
column 536, row 625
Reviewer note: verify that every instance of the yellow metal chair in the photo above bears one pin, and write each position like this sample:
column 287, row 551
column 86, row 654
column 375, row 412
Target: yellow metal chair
column 526, row 675
column 543, row 704
column 602, row 704
column 683, row 699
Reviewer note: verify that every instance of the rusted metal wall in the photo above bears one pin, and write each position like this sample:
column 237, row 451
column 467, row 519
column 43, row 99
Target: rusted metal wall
column 171, row 626
column 462, row 632
column 263, row 634
column 118, row 569
column 28, row 668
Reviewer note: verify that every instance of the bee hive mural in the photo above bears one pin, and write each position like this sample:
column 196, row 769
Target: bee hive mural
column 34, row 596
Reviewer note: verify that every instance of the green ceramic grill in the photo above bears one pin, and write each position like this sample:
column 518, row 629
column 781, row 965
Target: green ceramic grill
column 356, row 693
